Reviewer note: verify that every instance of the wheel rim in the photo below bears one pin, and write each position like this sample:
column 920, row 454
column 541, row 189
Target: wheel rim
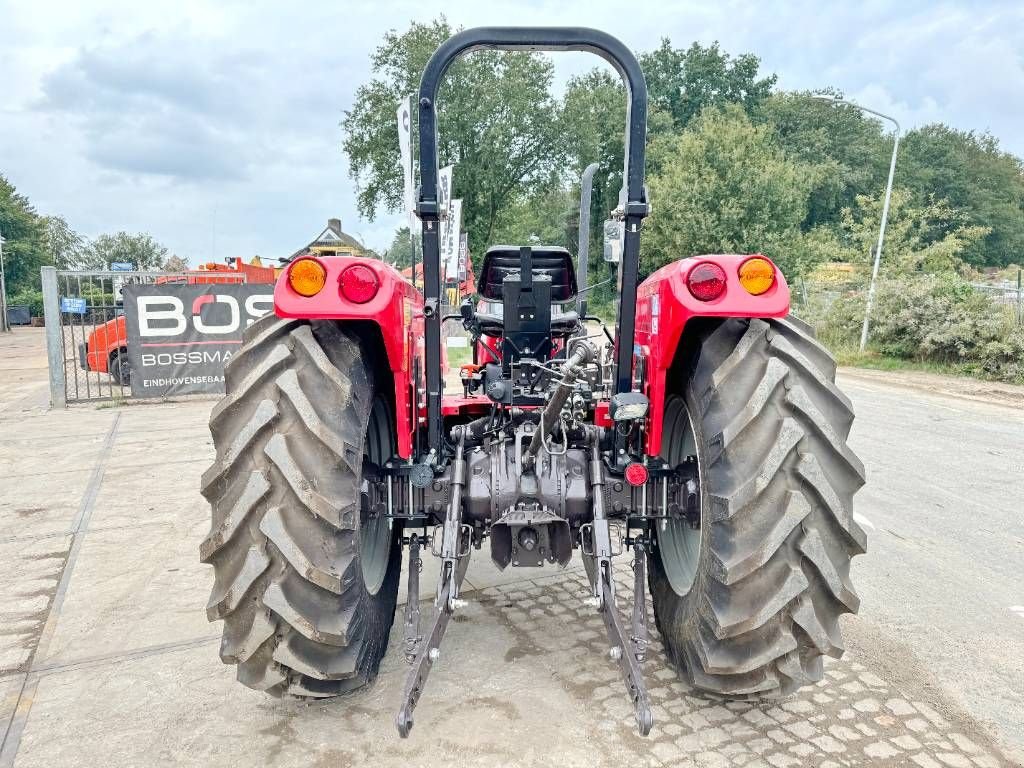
column 374, row 541
column 678, row 543
column 375, row 531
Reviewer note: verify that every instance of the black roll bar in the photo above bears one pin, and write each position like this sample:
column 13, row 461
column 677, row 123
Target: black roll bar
column 634, row 207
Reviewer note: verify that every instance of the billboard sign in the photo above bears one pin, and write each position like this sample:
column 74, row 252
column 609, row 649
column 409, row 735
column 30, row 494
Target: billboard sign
column 180, row 336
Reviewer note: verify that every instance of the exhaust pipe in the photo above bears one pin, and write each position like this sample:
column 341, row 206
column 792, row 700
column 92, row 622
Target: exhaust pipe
column 583, row 249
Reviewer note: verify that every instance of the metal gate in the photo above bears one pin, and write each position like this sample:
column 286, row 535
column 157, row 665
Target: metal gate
column 85, row 331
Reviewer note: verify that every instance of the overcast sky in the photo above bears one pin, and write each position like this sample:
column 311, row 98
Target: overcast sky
column 214, row 125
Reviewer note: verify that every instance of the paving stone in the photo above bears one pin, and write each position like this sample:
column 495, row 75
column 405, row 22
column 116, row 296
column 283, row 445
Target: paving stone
column 880, row 750
column 900, row 707
column 867, row 705
column 803, row 749
column 801, row 729
column 906, row 741
column 964, row 744
column 828, row 744
column 843, row 733
column 933, row 717
column 917, row 725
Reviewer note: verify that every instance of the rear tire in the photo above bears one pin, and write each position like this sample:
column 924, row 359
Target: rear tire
column 769, row 568
column 291, row 543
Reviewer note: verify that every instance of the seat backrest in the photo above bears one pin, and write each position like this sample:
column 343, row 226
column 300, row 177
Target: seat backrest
column 501, row 260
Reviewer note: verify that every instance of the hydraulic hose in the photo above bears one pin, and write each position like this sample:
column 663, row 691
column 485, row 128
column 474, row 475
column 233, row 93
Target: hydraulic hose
column 581, row 353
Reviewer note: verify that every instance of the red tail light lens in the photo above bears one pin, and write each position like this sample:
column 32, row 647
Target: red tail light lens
column 359, row 284
column 706, row 281
column 636, row 474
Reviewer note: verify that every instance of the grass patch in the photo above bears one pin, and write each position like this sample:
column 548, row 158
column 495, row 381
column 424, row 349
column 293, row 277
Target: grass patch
column 853, row 358
column 459, row 356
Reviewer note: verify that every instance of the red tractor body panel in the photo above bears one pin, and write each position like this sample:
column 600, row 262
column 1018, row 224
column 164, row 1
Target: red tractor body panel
column 397, row 309
column 664, row 306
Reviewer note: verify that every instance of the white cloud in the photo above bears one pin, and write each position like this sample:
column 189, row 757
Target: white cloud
column 214, row 125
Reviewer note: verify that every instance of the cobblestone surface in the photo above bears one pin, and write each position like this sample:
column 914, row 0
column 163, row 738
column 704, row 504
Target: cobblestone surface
column 130, row 674
column 24, row 604
column 852, row 717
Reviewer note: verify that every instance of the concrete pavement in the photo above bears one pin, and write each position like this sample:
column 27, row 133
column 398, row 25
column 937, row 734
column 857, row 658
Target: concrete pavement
column 106, row 657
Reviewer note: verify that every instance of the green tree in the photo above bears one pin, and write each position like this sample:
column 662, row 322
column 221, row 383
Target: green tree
column 497, row 120
column 557, row 223
column 140, row 250
column 400, row 251
column 683, row 83
column 930, row 238
column 725, row 187
column 594, row 116
column 848, row 149
column 64, row 245
column 975, row 176
column 24, row 239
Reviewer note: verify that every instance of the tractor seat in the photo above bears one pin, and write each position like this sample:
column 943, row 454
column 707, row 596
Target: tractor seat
column 491, row 317
column 501, row 260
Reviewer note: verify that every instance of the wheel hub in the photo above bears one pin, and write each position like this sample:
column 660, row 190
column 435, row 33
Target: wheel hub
column 374, row 531
column 679, row 538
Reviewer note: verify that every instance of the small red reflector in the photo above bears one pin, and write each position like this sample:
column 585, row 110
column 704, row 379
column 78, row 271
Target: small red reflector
column 636, row 474
column 706, row 281
column 359, row 284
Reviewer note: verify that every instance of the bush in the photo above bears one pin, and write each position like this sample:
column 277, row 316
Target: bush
column 931, row 319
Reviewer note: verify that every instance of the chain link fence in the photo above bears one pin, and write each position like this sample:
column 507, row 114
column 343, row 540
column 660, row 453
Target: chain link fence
column 1007, row 296
column 812, row 299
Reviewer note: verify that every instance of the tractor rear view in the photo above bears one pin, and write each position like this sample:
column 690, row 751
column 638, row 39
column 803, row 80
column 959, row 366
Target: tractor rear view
column 706, row 446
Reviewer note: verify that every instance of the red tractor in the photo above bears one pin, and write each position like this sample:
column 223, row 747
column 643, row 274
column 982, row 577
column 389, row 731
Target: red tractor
column 708, row 438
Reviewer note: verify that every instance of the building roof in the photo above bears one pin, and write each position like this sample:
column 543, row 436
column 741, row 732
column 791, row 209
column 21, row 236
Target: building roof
column 332, row 236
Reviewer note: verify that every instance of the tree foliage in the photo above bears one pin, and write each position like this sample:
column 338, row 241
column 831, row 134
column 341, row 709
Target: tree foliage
column 724, row 187
column 928, row 238
column 140, row 250
column 400, row 252
column 24, row 246
column 174, row 263
column 848, row 149
column 497, row 119
column 971, row 173
column 64, row 246
column 683, row 83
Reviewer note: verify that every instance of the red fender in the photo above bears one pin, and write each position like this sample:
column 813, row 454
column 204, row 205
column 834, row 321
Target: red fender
column 397, row 309
column 664, row 305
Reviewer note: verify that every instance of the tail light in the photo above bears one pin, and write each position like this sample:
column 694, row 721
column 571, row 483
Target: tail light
column 636, row 474
column 757, row 275
column 359, row 284
column 706, row 281
column 307, row 277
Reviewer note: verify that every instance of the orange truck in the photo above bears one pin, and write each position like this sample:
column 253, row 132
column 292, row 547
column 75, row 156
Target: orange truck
column 106, row 349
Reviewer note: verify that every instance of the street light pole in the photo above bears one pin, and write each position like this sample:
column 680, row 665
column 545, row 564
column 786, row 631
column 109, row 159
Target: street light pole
column 885, row 209
column 5, row 326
